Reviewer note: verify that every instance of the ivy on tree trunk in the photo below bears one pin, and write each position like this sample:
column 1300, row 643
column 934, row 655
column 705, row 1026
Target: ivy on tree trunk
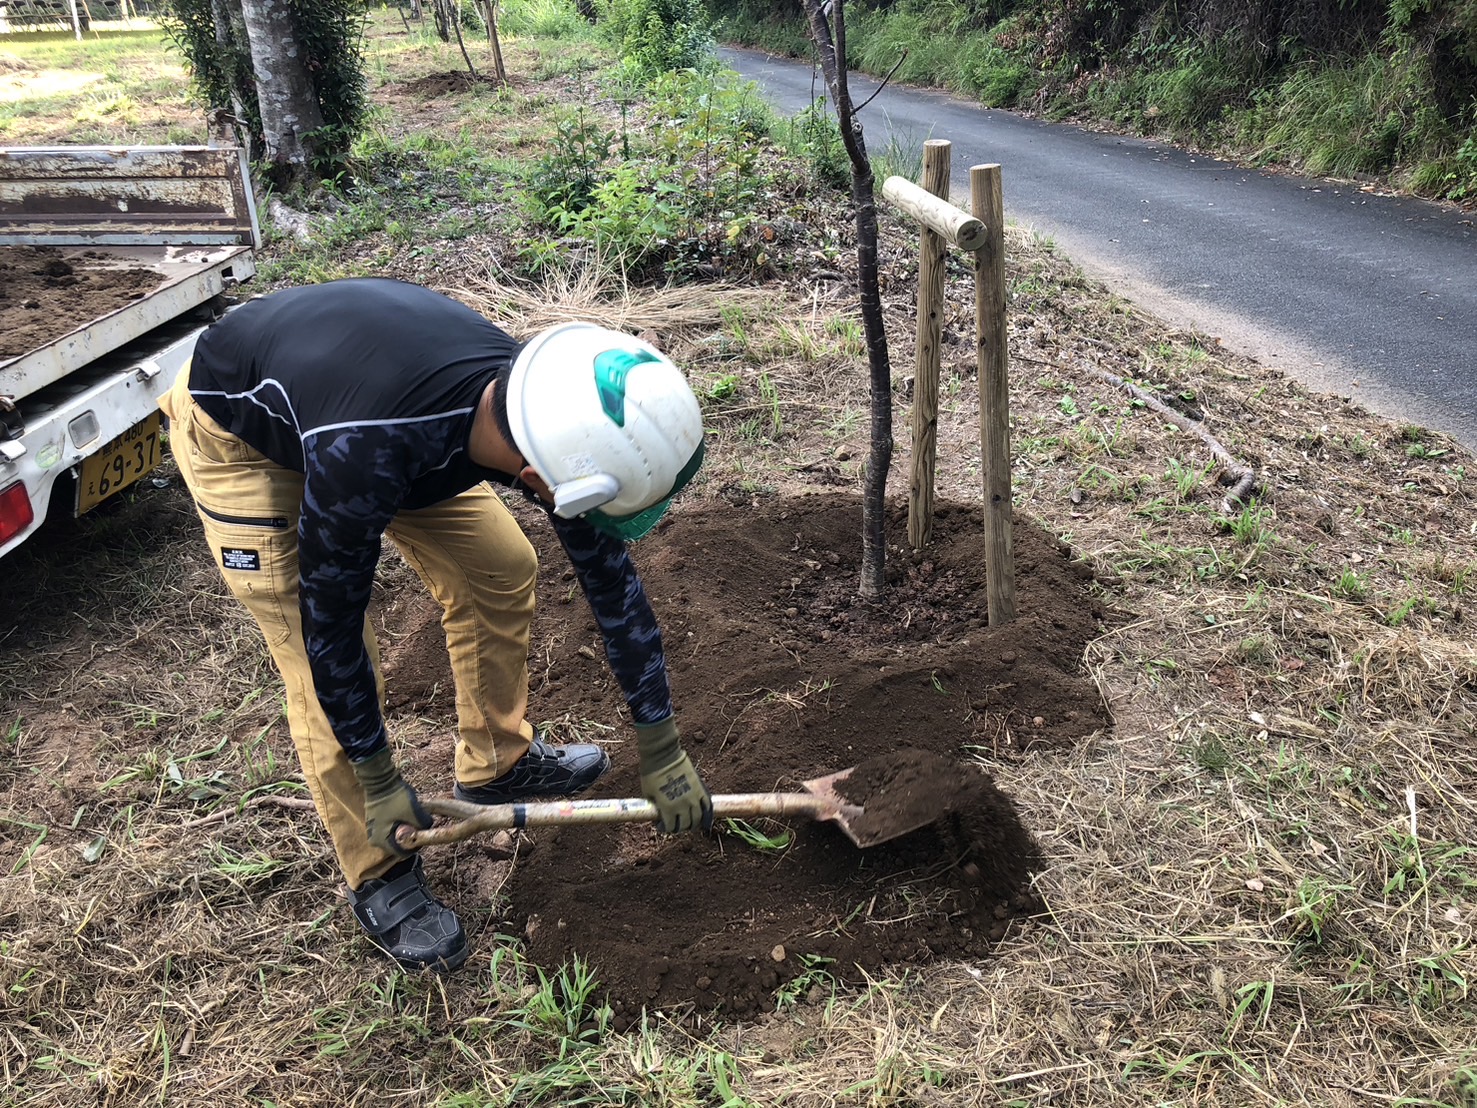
column 831, row 49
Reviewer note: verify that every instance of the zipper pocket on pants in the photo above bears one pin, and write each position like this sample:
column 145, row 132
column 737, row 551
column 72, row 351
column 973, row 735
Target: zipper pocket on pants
column 276, row 523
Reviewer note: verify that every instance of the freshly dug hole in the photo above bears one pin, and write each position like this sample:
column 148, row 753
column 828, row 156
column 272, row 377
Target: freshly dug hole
column 780, row 673
column 720, row 925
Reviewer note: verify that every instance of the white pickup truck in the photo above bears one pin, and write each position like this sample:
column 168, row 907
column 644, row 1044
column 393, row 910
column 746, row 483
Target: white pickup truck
column 112, row 260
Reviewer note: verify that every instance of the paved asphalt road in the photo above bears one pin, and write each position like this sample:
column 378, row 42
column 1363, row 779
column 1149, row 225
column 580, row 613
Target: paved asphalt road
column 1356, row 294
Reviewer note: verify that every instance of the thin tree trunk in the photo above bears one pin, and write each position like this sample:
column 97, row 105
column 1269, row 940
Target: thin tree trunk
column 832, row 53
column 490, row 8
column 228, row 47
column 454, row 14
column 291, row 119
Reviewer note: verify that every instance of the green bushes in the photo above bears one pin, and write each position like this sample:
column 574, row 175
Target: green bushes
column 679, row 194
column 814, row 135
column 657, row 36
column 556, row 19
column 996, row 76
column 1333, row 119
column 907, row 38
column 1189, row 91
column 1383, row 87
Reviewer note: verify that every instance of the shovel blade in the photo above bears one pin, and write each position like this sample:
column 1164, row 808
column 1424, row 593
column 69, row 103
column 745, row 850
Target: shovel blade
column 851, row 817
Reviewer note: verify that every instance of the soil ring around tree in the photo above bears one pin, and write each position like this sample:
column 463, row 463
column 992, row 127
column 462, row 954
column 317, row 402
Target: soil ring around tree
column 781, row 673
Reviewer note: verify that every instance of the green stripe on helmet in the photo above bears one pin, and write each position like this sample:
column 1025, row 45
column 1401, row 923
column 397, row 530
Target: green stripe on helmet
column 611, row 369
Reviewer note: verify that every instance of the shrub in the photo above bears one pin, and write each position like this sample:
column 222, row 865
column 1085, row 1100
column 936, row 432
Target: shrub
column 556, row 19
column 814, row 135
column 658, row 36
column 684, row 192
column 565, row 179
column 997, row 77
column 1336, row 119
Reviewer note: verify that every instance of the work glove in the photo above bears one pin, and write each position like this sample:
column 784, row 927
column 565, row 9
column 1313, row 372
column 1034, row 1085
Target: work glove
column 388, row 801
column 669, row 780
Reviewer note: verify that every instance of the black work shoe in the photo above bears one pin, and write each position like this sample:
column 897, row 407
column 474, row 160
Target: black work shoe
column 546, row 770
column 407, row 922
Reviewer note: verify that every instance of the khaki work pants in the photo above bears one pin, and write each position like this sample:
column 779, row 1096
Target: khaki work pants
column 470, row 553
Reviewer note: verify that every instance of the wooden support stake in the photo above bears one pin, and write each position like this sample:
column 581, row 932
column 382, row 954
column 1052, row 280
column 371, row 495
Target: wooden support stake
column 926, row 370
column 959, row 228
column 987, row 203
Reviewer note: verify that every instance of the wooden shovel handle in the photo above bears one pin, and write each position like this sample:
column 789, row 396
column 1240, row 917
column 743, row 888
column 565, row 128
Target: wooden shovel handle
column 476, row 818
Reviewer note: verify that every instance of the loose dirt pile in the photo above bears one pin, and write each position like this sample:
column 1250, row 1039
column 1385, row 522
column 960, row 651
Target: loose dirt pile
column 780, row 674
column 448, row 84
column 898, row 793
column 45, row 293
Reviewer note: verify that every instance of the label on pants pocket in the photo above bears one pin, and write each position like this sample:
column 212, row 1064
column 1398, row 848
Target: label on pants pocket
column 233, row 557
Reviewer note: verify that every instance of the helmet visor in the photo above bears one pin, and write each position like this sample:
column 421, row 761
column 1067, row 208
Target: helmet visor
column 628, row 528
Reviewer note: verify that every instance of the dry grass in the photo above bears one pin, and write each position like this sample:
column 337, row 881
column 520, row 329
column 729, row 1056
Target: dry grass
column 1261, row 885
column 595, row 291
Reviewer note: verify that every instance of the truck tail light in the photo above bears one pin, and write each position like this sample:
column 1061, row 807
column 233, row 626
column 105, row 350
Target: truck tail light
column 16, row 512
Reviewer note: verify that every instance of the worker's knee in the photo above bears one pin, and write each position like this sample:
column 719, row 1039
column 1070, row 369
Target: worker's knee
column 521, row 567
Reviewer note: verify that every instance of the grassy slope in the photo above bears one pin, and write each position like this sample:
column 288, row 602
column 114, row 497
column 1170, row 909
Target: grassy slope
column 1260, row 886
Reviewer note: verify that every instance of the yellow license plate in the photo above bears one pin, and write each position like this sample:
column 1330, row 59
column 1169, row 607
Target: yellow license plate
column 119, row 464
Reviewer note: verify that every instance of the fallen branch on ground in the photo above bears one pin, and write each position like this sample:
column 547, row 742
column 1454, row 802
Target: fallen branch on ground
column 297, row 803
column 1244, row 477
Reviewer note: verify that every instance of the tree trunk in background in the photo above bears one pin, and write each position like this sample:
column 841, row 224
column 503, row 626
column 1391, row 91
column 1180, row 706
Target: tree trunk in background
column 490, row 7
column 230, row 36
column 292, row 123
column 832, row 53
column 454, row 15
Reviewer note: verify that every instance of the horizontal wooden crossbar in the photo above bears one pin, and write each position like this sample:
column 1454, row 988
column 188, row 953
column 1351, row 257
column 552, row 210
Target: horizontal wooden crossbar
column 957, row 226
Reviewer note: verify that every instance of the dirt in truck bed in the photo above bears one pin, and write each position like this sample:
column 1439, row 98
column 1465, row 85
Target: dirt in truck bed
column 46, row 293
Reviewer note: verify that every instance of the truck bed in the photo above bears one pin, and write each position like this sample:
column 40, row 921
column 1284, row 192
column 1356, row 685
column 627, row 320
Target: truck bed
column 78, row 303
column 106, row 243
column 112, row 261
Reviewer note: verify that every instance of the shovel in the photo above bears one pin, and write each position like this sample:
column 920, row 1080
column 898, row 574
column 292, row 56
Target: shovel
column 819, row 801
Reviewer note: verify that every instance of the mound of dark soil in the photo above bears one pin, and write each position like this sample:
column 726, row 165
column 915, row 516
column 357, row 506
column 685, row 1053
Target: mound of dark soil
column 781, row 674
column 444, row 84
column 45, row 294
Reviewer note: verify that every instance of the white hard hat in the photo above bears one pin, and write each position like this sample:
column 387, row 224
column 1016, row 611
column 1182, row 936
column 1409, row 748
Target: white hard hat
column 607, row 421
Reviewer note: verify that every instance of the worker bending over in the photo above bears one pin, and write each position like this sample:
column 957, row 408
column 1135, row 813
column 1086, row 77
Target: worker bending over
column 313, row 421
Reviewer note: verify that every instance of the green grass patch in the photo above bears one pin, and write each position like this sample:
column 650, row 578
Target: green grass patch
column 115, row 86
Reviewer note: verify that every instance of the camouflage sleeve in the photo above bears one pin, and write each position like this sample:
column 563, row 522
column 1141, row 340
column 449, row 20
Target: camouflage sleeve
column 633, row 642
column 356, row 478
